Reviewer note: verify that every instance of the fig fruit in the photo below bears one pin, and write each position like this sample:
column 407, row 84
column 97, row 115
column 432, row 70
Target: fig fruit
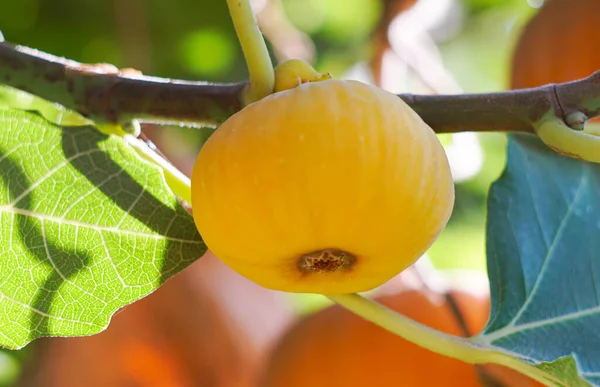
column 329, row 187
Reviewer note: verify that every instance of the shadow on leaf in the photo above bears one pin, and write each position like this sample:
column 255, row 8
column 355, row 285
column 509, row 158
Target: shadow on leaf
column 64, row 264
column 133, row 198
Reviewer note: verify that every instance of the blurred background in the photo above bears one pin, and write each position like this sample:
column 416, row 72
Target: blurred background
column 208, row 326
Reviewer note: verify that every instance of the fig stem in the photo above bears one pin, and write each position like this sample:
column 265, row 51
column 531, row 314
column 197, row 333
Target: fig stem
column 175, row 179
column 464, row 349
column 260, row 68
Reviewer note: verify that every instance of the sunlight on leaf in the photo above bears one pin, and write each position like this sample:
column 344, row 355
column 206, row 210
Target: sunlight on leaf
column 86, row 227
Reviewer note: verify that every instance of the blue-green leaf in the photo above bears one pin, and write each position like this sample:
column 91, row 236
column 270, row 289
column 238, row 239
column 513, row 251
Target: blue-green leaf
column 543, row 256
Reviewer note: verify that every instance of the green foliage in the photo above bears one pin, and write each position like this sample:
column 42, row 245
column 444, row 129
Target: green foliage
column 542, row 251
column 335, row 20
column 481, row 55
column 86, row 227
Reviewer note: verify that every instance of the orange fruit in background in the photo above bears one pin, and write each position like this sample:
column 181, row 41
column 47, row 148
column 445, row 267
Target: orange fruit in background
column 559, row 44
column 329, row 187
column 335, row 347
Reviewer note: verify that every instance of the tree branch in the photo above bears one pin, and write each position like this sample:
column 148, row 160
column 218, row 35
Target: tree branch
column 105, row 94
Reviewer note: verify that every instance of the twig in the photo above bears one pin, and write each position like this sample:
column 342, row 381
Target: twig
column 105, row 94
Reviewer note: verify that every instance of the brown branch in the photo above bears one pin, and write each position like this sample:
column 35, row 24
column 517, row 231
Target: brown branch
column 105, row 94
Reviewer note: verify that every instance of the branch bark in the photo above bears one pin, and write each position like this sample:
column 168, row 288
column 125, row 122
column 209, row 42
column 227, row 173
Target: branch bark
column 105, row 94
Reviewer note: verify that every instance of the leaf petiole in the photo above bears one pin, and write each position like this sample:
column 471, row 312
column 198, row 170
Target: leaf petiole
column 176, row 180
column 465, row 349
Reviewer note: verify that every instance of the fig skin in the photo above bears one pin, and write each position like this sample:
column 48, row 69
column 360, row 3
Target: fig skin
column 330, row 187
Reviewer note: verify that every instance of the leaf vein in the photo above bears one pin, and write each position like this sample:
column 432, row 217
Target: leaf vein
column 48, row 174
column 512, row 330
column 550, row 251
column 68, row 222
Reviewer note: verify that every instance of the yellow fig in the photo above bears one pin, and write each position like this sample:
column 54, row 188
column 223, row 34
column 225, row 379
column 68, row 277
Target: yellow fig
column 329, row 187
